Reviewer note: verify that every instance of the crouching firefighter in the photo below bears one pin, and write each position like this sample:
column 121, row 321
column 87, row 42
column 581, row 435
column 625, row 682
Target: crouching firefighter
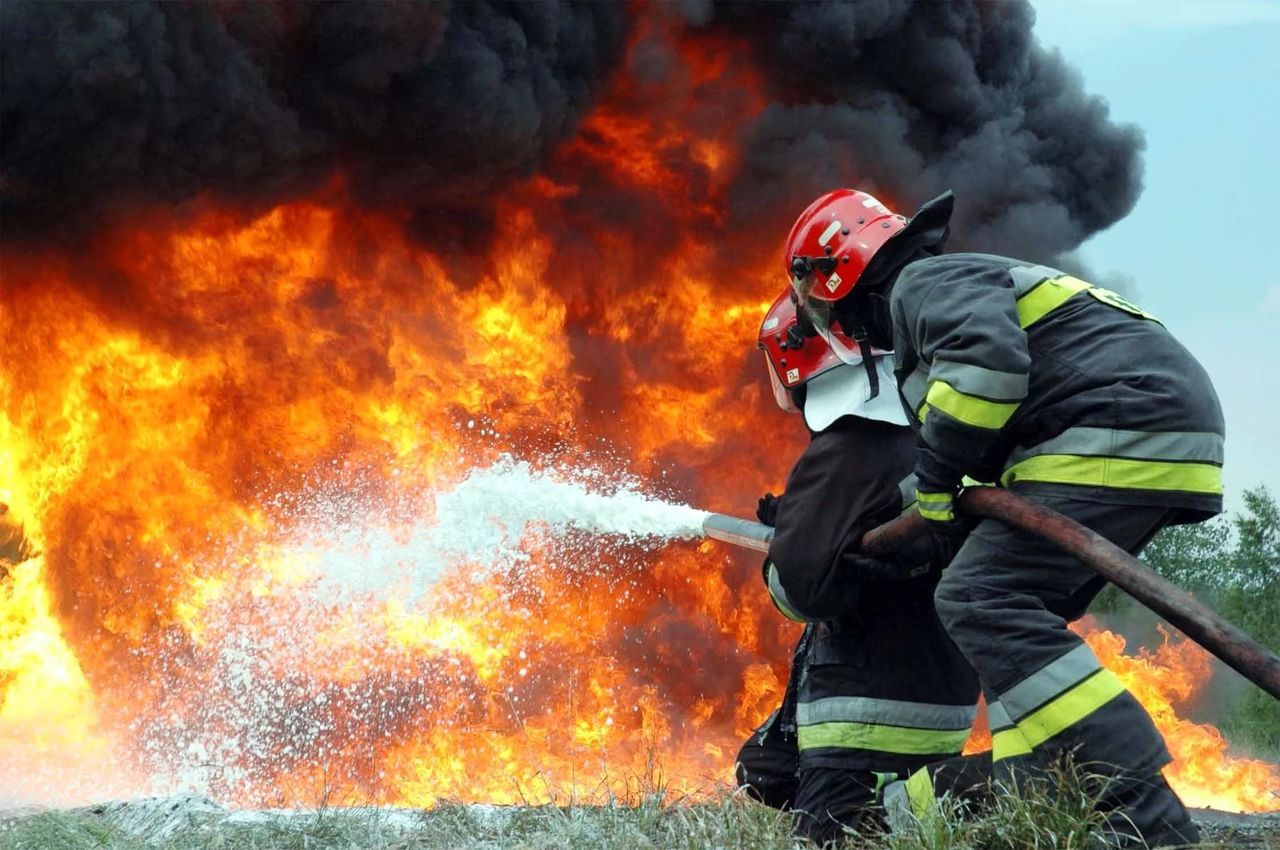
column 877, row 688
column 1065, row 393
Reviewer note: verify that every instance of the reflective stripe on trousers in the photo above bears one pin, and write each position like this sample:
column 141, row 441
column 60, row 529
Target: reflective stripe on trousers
column 885, row 725
column 1048, row 702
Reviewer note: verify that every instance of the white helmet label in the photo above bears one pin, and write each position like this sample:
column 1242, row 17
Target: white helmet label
column 832, row 229
column 833, row 282
column 793, row 375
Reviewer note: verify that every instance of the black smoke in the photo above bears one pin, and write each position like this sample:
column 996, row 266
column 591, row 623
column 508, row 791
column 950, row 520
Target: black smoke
column 108, row 106
column 434, row 107
column 911, row 98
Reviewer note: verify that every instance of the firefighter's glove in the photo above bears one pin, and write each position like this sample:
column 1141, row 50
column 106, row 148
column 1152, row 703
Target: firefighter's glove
column 767, row 509
column 892, row 568
column 937, row 487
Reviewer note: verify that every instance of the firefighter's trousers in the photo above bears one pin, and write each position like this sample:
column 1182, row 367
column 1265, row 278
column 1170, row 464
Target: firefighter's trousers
column 1006, row 600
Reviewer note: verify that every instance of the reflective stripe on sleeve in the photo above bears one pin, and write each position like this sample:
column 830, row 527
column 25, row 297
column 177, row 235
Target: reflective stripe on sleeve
column 1041, row 290
column 936, row 507
column 990, row 384
column 969, row 409
column 1047, row 296
column 907, row 490
column 779, row 596
column 1026, row 278
column 914, row 388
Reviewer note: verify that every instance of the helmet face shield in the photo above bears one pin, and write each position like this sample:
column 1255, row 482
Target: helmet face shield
column 845, row 347
column 821, row 314
column 781, row 394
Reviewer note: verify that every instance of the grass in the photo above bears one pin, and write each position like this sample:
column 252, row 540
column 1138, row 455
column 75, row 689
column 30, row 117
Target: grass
column 1056, row 815
column 733, row 822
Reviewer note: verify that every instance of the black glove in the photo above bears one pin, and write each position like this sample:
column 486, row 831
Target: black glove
column 767, row 508
column 937, row 486
column 887, row 569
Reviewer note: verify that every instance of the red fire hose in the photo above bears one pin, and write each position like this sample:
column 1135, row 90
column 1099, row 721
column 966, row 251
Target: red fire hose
column 1198, row 622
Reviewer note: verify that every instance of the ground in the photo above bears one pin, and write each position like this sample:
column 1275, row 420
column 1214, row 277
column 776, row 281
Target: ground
column 187, row 823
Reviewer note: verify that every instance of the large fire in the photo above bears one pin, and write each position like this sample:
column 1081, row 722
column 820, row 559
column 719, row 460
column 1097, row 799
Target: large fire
column 192, row 411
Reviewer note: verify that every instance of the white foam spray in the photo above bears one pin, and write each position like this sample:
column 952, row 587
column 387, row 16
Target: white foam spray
column 320, row 588
column 485, row 517
column 354, row 546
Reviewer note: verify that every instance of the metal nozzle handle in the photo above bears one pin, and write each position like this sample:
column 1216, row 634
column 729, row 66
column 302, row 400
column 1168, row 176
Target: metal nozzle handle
column 739, row 532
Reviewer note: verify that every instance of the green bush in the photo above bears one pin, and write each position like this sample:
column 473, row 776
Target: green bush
column 1233, row 566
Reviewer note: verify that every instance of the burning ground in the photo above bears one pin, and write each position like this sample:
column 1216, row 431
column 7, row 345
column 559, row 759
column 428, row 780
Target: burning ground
column 276, row 275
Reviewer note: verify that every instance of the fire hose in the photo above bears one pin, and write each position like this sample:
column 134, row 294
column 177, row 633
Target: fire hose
column 1196, row 620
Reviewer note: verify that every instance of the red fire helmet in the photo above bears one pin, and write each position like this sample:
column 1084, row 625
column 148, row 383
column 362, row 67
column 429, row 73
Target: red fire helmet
column 834, row 239
column 792, row 358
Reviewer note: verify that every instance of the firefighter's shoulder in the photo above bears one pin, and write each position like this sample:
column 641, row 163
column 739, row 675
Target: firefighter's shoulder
column 944, row 269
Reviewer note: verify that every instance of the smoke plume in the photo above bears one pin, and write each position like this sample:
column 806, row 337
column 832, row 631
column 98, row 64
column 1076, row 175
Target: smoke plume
column 434, row 107
column 910, row 99
column 108, row 106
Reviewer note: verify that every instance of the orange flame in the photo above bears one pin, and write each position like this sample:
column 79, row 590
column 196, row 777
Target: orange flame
column 191, row 410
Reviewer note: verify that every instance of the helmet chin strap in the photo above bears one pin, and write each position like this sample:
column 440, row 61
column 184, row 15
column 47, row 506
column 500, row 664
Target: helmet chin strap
column 868, row 359
column 863, row 326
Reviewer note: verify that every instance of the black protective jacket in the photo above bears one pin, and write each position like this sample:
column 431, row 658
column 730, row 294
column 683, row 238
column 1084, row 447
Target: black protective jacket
column 1024, row 374
column 882, row 687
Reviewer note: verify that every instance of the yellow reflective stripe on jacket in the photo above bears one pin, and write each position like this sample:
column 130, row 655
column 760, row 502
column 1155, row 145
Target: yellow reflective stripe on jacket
column 885, row 739
column 1178, row 446
column 1125, row 473
column 969, row 409
column 1008, row 744
column 920, row 793
column 1069, row 708
column 935, row 506
column 1047, row 296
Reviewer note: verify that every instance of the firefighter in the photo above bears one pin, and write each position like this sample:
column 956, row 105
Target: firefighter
column 878, row 689
column 1071, row 396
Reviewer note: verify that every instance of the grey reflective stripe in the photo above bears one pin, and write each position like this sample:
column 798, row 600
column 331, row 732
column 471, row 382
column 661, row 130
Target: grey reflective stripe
column 1052, row 679
column 907, row 489
column 980, row 381
column 897, row 807
column 780, row 596
column 915, row 387
column 997, row 718
column 1027, row 278
column 1198, row 446
column 885, row 712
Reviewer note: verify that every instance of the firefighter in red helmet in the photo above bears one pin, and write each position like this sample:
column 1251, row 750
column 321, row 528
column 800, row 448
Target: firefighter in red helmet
column 1018, row 373
column 851, row 721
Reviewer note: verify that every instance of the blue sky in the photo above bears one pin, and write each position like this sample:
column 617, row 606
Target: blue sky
column 1202, row 246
